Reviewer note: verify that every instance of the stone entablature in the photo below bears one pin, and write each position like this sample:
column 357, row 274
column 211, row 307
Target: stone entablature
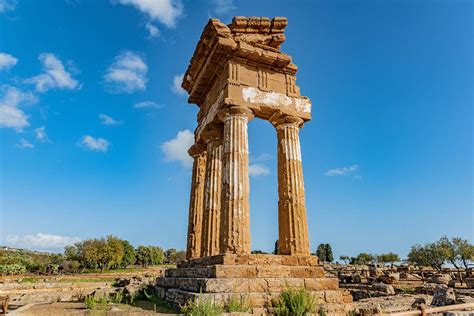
column 241, row 64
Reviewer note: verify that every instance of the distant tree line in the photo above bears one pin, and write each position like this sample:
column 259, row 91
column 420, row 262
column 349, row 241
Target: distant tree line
column 455, row 251
column 108, row 252
column 112, row 253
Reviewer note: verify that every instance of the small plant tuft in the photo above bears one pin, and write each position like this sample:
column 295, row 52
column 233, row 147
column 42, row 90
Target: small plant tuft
column 202, row 307
column 90, row 302
column 294, row 302
column 407, row 290
column 117, row 298
column 322, row 311
column 93, row 302
column 238, row 305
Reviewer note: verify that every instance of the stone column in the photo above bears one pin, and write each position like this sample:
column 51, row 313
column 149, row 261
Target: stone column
column 212, row 193
column 196, row 202
column 235, row 225
column 292, row 224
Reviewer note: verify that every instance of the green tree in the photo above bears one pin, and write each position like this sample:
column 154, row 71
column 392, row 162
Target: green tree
column 149, row 255
column 324, row 253
column 345, row 259
column 114, row 252
column 276, row 250
column 143, row 256
column 429, row 255
column 157, row 255
column 171, row 255
column 388, row 258
column 363, row 258
column 128, row 254
column 457, row 251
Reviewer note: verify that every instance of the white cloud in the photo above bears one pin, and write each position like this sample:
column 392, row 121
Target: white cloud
column 54, row 76
column 176, row 86
column 223, row 6
column 127, row 73
column 256, row 170
column 262, row 157
column 165, row 11
column 342, row 171
column 176, row 149
column 10, row 114
column 7, row 61
column 108, row 120
column 41, row 241
column 153, row 31
column 13, row 117
column 25, row 144
column 147, row 104
column 94, row 144
column 7, row 5
column 41, row 134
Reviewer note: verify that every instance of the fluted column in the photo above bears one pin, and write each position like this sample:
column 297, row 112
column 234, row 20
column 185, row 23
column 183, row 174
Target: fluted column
column 235, row 224
column 292, row 223
column 196, row 202
column 212, row 193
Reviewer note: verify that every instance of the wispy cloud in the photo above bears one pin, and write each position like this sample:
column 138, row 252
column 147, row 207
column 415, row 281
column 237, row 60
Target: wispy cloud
column 262, row 157
column 41, row 134
column 108, row 120
column 342, row 171
column 41, row 241
column 94, row 144
column 147, row 104
column 7, row 5
column 256, row 170
column 176, row 85
column 223, row 6
column 25, row 144
column 165, row 11
column 7, row 61
column 11, row 116
column 55, row 75
column 153, row 31
column 127, row 73
column 176, row 149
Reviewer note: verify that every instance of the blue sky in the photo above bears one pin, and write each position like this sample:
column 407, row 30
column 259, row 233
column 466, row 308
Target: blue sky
column 94, row 127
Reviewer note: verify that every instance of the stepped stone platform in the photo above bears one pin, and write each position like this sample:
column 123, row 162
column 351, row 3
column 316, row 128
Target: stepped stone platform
column 256, row 279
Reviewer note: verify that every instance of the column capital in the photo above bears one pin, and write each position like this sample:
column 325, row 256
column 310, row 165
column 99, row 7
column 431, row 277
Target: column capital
column 230, row 111
column 197, row 149
column 212, row 133
column 280, row 120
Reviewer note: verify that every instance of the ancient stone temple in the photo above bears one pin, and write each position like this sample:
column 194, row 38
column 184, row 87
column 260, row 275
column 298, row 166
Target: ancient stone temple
column 238, row 73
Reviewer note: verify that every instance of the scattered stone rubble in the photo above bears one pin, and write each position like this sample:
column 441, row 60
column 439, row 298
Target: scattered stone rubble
column 401, row 288
column 68, row 289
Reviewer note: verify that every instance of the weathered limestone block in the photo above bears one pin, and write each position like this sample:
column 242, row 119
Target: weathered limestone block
column 237, row 271
column 443, row 296
column 196, row 202
column 320, row 284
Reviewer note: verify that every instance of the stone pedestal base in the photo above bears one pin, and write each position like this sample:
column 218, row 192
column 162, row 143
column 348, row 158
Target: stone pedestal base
column 256, row 279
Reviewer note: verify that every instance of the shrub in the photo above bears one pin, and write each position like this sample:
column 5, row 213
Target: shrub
column 93, row 302
column 295, row 302
column 202, row 307
column 238, row 305
column 407, row 290
column 90, row 302
column 117, row 298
